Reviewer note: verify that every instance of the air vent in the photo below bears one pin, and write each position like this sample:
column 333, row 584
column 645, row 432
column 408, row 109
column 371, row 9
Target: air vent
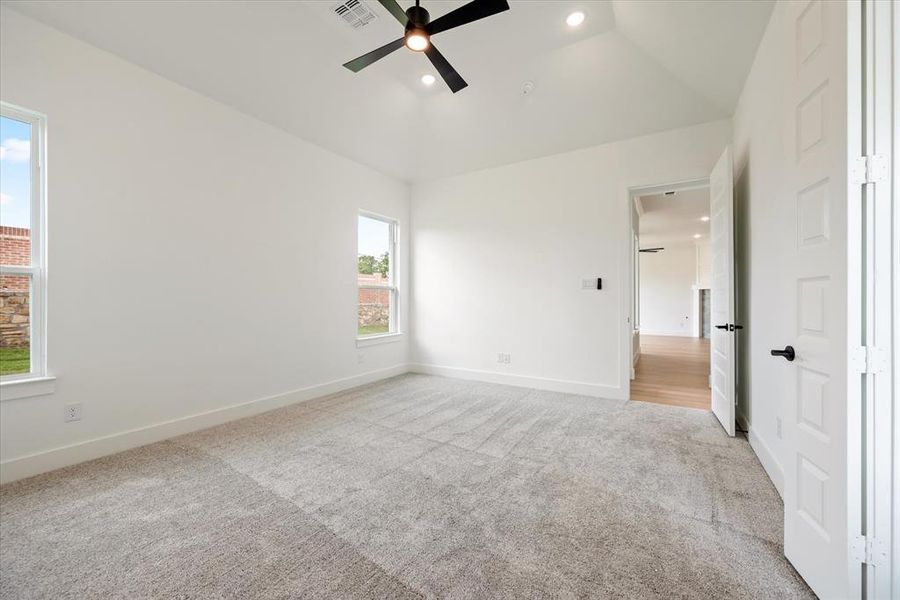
column 355, row 13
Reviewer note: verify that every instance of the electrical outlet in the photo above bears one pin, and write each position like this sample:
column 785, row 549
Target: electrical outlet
column 778, row 427
column 73, row 412
column 503, row 358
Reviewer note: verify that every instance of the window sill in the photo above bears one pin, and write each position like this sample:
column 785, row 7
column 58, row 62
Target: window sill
column 372, row 340
column 27, row 388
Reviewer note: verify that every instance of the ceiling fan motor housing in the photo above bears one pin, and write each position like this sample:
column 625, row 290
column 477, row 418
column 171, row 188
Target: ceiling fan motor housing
column 418, row 18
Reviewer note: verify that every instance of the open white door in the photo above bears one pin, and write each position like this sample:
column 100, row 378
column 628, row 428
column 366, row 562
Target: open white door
column 721, row 200
column 821, row 401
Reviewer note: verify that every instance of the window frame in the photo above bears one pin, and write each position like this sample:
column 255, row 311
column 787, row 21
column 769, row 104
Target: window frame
column 391, row 285
column 37, row 271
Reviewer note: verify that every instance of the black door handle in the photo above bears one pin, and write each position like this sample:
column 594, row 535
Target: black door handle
column 729, row 327
column 787, row 353
column 725, row 326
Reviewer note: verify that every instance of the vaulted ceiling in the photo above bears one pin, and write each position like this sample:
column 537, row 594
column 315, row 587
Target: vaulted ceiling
column 632, row 68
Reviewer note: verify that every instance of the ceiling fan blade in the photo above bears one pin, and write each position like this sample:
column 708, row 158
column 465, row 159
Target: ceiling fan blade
column 477, row 9
column 394, row 9
column 357, row 64
column 453, row 79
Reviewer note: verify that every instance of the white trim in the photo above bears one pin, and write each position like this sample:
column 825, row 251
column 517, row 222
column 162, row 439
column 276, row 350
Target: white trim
column 881, row 102
column 597, row 390
column 14, row 389
column 38, row 228
column 378, row 338
column 767, row 459
column 41, row 462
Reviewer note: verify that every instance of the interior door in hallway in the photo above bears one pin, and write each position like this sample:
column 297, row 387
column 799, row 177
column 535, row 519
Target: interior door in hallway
column 814, row 348
column 721, row 199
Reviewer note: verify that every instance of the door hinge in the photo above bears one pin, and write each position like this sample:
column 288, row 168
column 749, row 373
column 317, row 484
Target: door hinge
column 868, row 359
column 869, row 551
column 869, row 169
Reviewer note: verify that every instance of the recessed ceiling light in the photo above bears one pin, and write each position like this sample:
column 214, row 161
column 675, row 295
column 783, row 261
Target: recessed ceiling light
column 575, row 19
column 704, row 218
column 697, row 236
column 428, row 79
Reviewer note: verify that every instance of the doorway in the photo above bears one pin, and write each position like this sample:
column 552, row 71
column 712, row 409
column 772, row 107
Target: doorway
column 672, row 281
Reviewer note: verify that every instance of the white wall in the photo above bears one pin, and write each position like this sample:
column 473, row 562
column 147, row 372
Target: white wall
column 667, row 290
column 500, row 255
column 198, row 258
column 761, row 229
column 704, row 264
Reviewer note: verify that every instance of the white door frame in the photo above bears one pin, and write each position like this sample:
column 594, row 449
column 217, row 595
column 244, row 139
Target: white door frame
column 892, row 455
column 876, row 543
column 627, row 295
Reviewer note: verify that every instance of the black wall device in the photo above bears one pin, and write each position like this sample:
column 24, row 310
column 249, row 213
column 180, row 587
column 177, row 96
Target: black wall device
column 599, row 283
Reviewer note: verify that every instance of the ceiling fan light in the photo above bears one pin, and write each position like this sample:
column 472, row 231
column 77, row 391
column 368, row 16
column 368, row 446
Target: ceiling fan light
column 416, row 41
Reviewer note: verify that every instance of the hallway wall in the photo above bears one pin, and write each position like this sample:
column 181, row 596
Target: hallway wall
column 666, row 292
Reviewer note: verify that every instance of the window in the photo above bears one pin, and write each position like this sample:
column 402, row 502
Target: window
column 22, row 273
column 376, row 276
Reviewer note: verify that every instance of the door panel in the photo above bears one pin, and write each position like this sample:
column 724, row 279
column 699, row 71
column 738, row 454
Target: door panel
column 816, row 413
column 721, row 200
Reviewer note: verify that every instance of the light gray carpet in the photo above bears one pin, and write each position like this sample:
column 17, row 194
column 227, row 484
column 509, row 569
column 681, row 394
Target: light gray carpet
column 416, row 486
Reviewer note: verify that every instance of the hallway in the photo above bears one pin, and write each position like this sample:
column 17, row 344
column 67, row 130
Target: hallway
column 673, row 370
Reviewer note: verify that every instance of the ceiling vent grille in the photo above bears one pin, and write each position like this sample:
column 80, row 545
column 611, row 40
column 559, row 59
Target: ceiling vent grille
column 355, row 13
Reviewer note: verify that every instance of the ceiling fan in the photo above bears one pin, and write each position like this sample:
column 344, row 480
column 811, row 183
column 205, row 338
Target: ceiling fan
column 419, row 29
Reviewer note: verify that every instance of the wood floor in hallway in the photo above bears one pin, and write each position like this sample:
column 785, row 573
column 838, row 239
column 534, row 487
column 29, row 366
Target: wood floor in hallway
column 673, row 370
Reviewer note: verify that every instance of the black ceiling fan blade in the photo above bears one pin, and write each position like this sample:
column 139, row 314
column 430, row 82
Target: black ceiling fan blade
column 477, row 9
column 453, row 79
column 357, row 64
column 394, row 9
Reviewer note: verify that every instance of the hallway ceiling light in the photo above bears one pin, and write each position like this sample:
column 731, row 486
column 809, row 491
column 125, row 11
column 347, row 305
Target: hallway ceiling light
column 697, row 236
column 575, row 19
column 704, row 218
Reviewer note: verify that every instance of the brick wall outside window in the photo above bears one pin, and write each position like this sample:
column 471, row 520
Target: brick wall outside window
column 15, row 246
column 15, row 308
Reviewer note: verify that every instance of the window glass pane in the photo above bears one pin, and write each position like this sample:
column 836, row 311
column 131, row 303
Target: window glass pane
column 374, row 311
column 15, row 324
column 374, row 268
column 15, row 192
column 373, row 250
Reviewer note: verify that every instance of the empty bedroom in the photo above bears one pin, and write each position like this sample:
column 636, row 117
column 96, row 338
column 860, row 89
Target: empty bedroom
column 449, row 299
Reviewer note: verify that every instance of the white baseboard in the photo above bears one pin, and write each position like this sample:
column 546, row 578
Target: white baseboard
column 767, row 459
column 539, row 383
column 42, row 462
